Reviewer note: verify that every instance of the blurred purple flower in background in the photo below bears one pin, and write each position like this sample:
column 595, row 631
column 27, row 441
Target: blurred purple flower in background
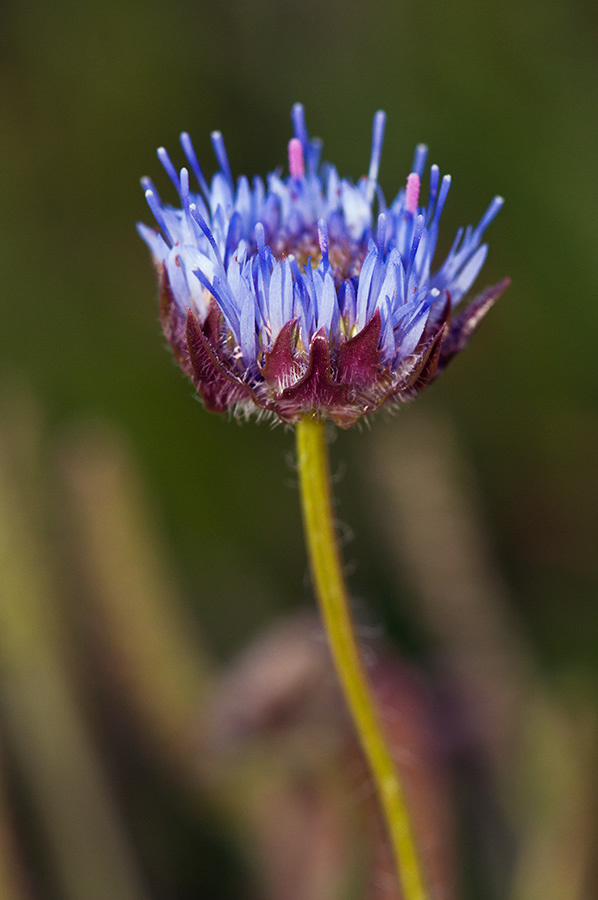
column 292, row 297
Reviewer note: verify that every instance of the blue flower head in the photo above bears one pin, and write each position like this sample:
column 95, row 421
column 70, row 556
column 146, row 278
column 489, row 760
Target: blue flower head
column 291, row 296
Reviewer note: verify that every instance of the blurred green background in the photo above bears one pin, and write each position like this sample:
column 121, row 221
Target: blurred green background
column 505, row 95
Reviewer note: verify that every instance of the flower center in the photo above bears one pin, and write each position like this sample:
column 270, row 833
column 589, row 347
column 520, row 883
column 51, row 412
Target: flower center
column 345, row 257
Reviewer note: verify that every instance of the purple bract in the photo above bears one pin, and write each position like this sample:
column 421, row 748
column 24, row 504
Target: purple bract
column 290, row 297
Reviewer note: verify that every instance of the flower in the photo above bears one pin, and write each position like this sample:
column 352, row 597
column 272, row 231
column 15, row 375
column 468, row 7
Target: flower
column 291, row 297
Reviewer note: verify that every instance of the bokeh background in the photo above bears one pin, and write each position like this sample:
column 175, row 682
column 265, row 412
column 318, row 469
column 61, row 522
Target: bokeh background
column 506, row 96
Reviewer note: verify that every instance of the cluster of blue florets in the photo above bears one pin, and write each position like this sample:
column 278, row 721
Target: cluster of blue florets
column 307, row 248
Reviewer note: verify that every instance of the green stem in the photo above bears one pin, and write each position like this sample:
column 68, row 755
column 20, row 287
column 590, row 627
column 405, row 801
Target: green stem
column 327, row 573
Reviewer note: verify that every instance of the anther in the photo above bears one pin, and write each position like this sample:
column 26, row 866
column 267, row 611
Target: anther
column 296, row 162
column 412, row 192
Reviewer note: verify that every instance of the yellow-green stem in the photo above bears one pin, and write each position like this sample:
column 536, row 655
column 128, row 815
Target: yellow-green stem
column 312, row 458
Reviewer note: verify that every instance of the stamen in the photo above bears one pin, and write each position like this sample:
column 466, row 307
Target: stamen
column 490, row 213
column 323, row 239
column 233, row 235
column 377, row 139
column 170, row 169
column 296, row 163
column 195, row 214
column 189, row 151
column 313, row 155
column 296, row 273
column 260, row 239
column 299, row 127
column 434, row 182
column 412, row 192
column 442, row 195
column 220, row 151
column 381, row 233
column 418, row 230
column 153, row 201
column 185, row 190
column 419, row 159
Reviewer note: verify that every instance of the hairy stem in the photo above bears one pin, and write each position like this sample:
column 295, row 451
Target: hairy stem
column 312, row 456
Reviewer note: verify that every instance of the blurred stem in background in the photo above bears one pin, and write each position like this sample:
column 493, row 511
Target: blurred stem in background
column 312, row 461
column 536, row 744
column 146, row 642
column 115, row 640
column 42, row 716
column 14, row 884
